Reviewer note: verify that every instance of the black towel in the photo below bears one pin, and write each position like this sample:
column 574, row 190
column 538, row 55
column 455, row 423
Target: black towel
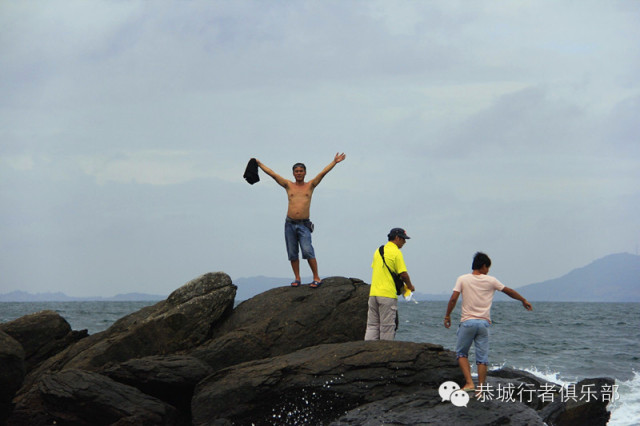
column 251, row 172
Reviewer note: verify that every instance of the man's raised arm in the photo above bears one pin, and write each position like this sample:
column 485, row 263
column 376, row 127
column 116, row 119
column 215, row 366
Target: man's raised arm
column 338, row 158
column 281, row 181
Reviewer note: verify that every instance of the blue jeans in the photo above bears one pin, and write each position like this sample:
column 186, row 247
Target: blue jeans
column 474, row 331
column 297, row 233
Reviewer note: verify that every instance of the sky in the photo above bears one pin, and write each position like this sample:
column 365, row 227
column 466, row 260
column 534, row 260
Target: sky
column 125, row 127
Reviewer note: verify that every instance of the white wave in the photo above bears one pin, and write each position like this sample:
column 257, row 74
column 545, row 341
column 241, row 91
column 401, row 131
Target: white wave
column 625, row 411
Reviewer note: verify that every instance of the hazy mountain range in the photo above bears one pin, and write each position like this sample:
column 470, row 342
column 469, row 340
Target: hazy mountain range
column 613, row 278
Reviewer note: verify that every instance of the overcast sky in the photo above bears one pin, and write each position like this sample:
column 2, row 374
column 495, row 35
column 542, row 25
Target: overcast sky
column 125, row 127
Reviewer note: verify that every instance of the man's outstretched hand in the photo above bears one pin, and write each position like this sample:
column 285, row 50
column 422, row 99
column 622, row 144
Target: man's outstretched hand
column 340, row 157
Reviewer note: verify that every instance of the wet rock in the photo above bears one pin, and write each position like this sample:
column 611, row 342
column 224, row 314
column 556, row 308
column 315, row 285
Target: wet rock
column 585, row 403
column 320, row 383
column 427, row 408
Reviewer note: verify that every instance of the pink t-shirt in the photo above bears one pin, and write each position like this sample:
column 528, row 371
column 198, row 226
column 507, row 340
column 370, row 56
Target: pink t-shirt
column 477, row 295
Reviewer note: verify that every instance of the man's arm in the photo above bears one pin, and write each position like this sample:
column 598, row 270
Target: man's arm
column 338, row 158
column 407, row 280
column 515, row 295
column 450, row 306
column 281, row 181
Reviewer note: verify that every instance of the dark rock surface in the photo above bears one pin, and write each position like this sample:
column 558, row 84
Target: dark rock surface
column 42, row 335
column 287, row 356
column 12, row 371
column 427, row 408
column 170, row 378
column 282, row 320
column 84, row 398
column 181, row 322
column 320, row 381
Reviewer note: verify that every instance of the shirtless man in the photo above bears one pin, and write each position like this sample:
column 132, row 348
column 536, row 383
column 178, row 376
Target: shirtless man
column 298, row 227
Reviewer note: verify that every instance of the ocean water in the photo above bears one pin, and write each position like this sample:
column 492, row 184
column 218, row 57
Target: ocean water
column 562, row 343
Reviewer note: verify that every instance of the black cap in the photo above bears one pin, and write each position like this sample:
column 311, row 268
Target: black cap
column 398, row 232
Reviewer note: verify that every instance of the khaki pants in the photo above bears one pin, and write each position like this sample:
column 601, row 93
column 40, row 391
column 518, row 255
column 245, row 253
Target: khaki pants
column 381, row 318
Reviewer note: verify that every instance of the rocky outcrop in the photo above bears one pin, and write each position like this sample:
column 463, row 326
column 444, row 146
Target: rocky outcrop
column 281, row 321
column 12, row 372
column 287, row 356
column 313, row 385
column 42, row 335
column 77, row 397
column 426, row 408
column 181, row 322
column 170, row 378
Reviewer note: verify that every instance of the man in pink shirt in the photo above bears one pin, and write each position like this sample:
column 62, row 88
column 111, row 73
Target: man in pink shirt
column 477, row 289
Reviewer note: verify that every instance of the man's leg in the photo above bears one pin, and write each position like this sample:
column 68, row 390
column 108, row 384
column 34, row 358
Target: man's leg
column 313, row 264
column 295, row 265
column 304, row 237
column 388, row 312
column 291, row 240
column 482, row 350
column 463, row 362
column 482, row 374
column 465, row 335
column 373, row 321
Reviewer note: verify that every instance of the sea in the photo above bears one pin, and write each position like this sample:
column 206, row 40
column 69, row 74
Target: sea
column 559, row 342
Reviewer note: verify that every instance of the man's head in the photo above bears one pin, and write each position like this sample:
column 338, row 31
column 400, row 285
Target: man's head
column 299, row 172
column 480, row 260
column 398, row 235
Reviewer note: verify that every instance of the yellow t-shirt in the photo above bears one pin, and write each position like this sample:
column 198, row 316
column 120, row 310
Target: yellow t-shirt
column 381, row 281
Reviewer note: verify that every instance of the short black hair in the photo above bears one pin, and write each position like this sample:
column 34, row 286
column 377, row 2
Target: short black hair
column 479, row 260
column 299, row 165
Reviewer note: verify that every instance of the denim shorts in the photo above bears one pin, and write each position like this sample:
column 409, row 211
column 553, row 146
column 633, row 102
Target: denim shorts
column 474, row 331
column 296, row 233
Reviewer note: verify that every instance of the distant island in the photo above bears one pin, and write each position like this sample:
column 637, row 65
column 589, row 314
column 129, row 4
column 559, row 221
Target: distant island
column 613, row 278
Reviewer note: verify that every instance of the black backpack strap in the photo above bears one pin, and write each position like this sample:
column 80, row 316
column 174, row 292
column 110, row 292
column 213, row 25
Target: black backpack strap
column 381, row 250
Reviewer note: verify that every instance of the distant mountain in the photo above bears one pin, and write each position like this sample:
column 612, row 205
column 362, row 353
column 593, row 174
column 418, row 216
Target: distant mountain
column 613, row 278
column 22, row 296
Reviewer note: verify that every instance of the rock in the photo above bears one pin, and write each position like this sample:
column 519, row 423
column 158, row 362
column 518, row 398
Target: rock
column 169, row 378
column 287, row 356
column 427, row 408
column 286, row 319
column 84, row 398
column 181, row 322
column 12, row 371
column 523, row 386
column 584, row 404
column 42, row 335
column 320, row 383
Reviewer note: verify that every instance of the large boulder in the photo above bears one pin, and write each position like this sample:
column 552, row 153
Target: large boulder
column 170, row 378
column 285, row 319
column 42, row 335
column 183, row 321
column 585, row 403
column 427, row 408
column 80, row 398
column 12, row 371
column 320, row 383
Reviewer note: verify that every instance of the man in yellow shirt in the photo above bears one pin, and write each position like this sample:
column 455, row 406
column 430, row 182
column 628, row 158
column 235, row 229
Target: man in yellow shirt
column 383, row 300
